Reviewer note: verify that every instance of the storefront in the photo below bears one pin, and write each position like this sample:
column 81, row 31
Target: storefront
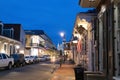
column 83, row 31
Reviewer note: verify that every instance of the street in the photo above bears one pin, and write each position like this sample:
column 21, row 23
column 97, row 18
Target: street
column 40, row 71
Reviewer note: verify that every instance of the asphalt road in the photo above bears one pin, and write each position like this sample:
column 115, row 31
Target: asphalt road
column 39, row 71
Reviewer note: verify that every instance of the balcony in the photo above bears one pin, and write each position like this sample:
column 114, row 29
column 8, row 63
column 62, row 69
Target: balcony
column 89, row 3
column 36, row 45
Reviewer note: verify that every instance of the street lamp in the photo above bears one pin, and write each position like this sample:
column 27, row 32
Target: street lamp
column 62, row 34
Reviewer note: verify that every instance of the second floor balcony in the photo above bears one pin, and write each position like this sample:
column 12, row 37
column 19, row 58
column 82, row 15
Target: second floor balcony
column 35, row 45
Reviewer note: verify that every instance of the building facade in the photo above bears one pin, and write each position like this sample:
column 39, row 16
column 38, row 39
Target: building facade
column 83, row 32
column 8, row 45
column 106, row 36
column 16, row 32
column 38, row 43
column 67, row 51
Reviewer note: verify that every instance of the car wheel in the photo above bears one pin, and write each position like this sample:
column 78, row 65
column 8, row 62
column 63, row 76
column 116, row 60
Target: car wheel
column 9, row 66
column 23, row 64
column 29, row 62
column 18, row 64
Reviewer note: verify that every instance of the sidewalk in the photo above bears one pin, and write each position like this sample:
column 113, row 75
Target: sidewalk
column 66, row 72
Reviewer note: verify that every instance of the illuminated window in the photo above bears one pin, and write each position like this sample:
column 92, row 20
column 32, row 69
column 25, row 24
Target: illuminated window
column 35, row 39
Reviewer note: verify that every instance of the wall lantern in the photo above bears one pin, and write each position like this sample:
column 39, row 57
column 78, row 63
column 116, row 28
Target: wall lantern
column 75, row 41
column 17, row 46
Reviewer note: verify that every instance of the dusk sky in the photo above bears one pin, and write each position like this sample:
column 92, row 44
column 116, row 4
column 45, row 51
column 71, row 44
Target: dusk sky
column 52, row 16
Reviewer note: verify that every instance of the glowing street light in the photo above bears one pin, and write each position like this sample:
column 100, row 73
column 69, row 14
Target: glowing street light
column 62, row 34
column 17, row 46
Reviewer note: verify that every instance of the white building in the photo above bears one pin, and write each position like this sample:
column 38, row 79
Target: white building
column 8, row 45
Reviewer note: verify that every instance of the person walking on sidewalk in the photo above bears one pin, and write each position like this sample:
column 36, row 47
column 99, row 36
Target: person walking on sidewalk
column 60, row 61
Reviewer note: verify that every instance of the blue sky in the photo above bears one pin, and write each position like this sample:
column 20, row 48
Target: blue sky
column 52, row 16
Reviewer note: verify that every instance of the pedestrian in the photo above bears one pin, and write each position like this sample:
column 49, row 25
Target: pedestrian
column 60, row 61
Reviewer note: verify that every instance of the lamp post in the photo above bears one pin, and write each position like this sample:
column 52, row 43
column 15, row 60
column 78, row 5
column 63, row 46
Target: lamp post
column 63, row 36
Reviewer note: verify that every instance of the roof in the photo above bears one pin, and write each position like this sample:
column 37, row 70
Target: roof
column 34, row 32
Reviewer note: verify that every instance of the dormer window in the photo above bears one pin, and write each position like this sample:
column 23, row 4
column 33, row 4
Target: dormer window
column 8, row 33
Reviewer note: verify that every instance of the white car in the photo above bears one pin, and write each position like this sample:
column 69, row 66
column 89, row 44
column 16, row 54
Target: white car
column 42, row 58
column 29, row 60
column 6, row 61
column 35, row 59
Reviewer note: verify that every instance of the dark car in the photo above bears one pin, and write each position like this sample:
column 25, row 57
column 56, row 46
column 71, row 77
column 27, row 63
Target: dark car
column 18, row 59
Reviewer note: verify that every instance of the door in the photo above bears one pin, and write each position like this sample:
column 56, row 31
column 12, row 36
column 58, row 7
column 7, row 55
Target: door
column 1, row 60
column 5, row 61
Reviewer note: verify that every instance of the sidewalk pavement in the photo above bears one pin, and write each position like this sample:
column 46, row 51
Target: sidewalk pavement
column 65, row 72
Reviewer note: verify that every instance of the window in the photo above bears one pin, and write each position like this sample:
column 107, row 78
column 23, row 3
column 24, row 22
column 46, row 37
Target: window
column 9, row 33
column 0, row 56
column 7, row 56
column 4, row 56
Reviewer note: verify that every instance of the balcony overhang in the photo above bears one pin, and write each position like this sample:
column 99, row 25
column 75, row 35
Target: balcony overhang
column 9, row 40
column 89, row 3
column 81, row 27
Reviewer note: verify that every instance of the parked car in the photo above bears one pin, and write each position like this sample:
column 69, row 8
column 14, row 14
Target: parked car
column 42, row 58
column 47, row 57
column 35, row 59
column 29, row 60
column 6, row 61
column 18, row 59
